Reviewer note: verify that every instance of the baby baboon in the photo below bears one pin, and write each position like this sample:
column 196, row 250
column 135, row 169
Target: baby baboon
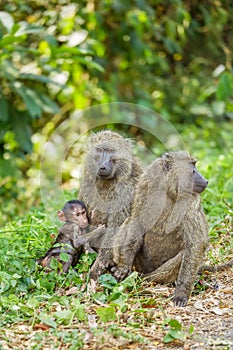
column 73, row 237
column 166, row 235
column 107, row 187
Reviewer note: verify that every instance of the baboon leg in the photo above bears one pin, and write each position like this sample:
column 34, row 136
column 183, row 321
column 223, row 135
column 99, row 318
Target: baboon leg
column 167, row 272
column 66, row 265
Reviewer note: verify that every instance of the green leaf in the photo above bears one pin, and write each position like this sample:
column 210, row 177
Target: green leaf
column 130, row 281
column 224, row 89
column 9, row 71
column 191, row 329
column 33, row 303
column 27, row 311
column 47, row 104
column 26, row 28
column 9, row 39
column 54, row 264
column 100, row 297
column 168, row 338
column 4, row 110
column 40, row 78
column 108, row 281
column 80, row 312
column 64, row 257
column 218, row 107
column 175, row 331
column 8, row 168
column 175, row 324
column 106, row 314
column 176, row 334
column 47, row 319
column 64, row 316
column 171, row 29
column 22, row 130
column 29, row 97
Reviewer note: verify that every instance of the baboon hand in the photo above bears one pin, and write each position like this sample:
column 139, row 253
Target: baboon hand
column 120, row 272
column 180, row 300
column 95, row 272
column 99, row 267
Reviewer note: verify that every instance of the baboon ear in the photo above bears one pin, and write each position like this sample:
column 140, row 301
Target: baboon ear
column 167, row 161
column 61, row 215
column 193, row 160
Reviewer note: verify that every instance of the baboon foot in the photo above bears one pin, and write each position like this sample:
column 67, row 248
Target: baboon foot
column 180, row 300
column 99, row 267
column 120, row 273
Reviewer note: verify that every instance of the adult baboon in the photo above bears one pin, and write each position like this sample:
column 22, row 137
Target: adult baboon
column 166, row 235
column 108, row 184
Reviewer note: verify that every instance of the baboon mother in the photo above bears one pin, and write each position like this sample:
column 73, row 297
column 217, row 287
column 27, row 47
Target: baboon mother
column 166, row 235
column 108, row 183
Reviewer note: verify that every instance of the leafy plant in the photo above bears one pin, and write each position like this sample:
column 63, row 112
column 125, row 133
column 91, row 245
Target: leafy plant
column 106, row 314
column 175, row 331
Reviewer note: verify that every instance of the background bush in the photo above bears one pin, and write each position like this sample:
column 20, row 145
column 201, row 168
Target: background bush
column 58, row 57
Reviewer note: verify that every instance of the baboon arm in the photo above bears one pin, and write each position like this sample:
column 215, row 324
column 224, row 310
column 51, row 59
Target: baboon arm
column 191, row 260
column 55, row 253
column 65, row 247
column 194, row 230
column 66, row 265
column 96, row 233
column 121, row 252
column 128, row 242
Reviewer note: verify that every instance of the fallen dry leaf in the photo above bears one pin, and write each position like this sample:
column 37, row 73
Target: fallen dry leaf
column 41, row 326
column 217, row 311
column 72, row 290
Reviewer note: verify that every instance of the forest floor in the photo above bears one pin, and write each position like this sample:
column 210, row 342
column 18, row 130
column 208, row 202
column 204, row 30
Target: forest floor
column 207, row 323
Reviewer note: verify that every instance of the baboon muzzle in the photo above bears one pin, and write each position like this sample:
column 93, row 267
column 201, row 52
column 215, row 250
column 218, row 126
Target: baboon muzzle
column 105, row 170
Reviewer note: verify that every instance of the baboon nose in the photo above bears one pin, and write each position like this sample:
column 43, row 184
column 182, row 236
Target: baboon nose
column 105, row 170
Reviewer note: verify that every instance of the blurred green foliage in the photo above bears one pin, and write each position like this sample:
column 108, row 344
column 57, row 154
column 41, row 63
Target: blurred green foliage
column 59, row 57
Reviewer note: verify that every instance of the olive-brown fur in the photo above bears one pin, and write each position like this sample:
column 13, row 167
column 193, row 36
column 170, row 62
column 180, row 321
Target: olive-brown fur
column 166, row 235
column 107, row 187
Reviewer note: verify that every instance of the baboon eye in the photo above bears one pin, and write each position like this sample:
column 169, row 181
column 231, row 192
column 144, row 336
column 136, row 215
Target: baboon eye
column 98, row 149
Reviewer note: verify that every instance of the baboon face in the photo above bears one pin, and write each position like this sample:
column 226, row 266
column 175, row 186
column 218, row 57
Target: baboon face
column 199, row 182
column 74, row 212
column 105, row 162
column 194, row 181
column 183, row 174
column 78, row 215
column 109, row 156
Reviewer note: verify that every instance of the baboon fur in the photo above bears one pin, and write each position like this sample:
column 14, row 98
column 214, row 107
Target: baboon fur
column 166, row 235
column 109, row 200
